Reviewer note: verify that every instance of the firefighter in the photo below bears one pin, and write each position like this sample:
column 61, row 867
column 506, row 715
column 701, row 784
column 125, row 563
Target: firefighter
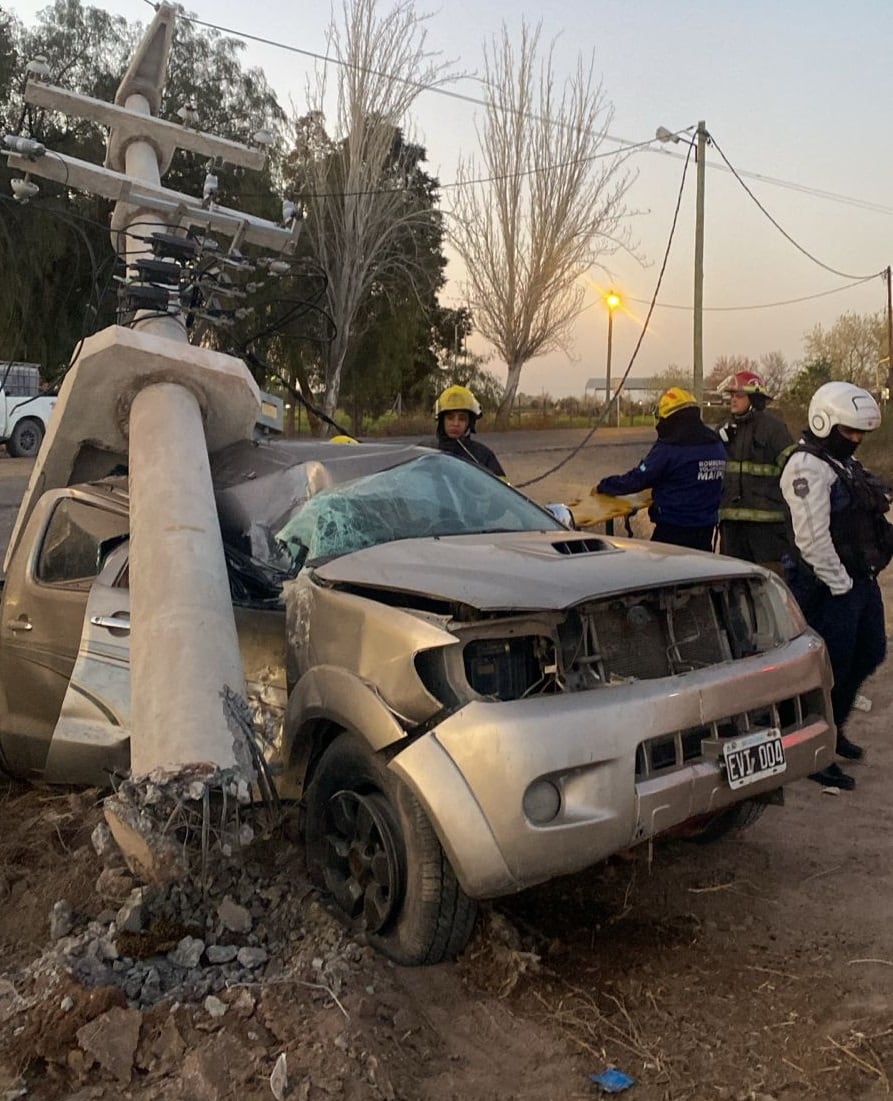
column 752, row 521
column 457, row 411
column 841, row 540
column 683, row 470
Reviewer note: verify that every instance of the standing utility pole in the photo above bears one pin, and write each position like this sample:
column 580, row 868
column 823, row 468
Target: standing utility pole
column 698, row 334
column 143, row 393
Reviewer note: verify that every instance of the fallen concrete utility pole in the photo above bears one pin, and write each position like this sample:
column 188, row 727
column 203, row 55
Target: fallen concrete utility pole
column 144, row 392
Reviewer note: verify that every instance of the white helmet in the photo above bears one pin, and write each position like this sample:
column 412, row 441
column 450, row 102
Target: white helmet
column 845, row 404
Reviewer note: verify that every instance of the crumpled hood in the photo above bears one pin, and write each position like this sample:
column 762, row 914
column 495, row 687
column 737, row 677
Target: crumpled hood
column 525, row 571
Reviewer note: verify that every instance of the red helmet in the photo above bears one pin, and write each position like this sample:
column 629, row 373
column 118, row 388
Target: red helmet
column 744, row 382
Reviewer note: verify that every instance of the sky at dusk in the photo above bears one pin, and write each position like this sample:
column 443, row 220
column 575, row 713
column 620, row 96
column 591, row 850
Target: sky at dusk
column 798, row 92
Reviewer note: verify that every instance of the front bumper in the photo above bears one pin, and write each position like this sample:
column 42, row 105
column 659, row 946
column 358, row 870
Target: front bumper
column 471, row 772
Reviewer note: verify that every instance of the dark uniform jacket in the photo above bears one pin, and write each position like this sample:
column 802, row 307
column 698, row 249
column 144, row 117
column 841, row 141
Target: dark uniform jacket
column 757, row 446
column 469, row 449
column 683, row 470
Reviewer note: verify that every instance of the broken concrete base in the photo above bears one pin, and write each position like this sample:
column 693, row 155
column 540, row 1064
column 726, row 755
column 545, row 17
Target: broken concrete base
column 152, row 858
column 173, row 827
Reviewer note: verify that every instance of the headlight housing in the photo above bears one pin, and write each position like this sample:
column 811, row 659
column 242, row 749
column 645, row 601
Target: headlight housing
column 508, row 668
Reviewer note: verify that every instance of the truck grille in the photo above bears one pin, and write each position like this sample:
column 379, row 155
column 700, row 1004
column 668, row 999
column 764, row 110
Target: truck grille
column 663, row 632
column 656, row 756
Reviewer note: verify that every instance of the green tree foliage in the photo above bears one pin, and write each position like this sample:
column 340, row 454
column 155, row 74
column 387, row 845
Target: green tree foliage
column 674, row 375
column 853, row 346
column 205, row 71
column 56, row 251
column 808, row 379
column 8, row 38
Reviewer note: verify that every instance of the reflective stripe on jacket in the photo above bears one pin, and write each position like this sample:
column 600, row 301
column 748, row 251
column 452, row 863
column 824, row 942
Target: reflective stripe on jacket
column 757, row 447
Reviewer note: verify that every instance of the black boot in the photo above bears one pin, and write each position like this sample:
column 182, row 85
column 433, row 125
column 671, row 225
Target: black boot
column 833, row 777
column 848, row 749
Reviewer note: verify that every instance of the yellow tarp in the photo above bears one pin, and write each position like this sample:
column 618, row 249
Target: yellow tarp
column 600, row 508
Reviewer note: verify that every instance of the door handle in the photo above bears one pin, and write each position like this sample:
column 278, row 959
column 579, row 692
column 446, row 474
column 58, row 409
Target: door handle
column 23, row 623
column 111, row 622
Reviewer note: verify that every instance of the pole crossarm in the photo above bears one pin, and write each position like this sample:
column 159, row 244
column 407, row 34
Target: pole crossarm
column 138, row 194
column 126, row 126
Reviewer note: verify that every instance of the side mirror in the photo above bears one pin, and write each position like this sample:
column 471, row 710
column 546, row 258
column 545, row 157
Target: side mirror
column 563, row 515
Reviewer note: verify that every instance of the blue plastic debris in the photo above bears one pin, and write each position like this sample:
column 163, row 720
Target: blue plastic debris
column 613, row 1080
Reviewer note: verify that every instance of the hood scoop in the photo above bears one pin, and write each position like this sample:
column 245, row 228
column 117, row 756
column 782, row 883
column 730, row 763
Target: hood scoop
column 585, row 545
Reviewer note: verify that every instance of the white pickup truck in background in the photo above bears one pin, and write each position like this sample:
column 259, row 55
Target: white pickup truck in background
column 24, row 410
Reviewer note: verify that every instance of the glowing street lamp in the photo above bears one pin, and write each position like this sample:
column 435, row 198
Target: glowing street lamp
column 612, row 301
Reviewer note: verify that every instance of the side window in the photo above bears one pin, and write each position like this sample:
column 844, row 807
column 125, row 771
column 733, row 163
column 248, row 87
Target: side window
column 78, row 538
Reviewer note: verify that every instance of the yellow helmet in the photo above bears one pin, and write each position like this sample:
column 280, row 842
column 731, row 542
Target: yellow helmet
column 343, row 439
column 674, row 399
column 457, row 399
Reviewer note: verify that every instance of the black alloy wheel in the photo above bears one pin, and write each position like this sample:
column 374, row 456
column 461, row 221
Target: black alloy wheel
column 364, row 862
column 371, row 846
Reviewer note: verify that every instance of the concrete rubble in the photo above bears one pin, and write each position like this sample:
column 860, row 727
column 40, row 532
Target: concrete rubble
column 193, row 984
column 185, row 942
column 168, row 826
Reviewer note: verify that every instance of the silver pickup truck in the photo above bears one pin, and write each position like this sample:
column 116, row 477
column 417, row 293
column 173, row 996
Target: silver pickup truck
column 466, row 697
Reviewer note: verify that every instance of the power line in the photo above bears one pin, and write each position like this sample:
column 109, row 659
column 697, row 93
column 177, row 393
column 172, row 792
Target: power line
column 765, row 305
column 626, row 144
column 781, row 230
column 455, row 184
column 774, row 181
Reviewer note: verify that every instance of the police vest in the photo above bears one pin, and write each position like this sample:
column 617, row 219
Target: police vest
column 860, row 532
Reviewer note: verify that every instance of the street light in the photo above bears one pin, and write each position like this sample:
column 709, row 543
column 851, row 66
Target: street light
column 612, row 301
column 700, row 142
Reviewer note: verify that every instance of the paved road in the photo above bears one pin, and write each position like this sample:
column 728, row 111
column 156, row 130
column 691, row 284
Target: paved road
column 563, row 464
column 14, row 475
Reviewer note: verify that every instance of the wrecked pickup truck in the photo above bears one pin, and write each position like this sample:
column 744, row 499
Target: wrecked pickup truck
column 464, row 697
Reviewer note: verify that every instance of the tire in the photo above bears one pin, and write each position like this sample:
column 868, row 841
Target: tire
column 26, row 438
column 372, row 848
column 729, row 820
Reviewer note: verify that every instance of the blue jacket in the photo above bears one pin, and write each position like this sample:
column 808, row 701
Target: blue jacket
column 683, row 470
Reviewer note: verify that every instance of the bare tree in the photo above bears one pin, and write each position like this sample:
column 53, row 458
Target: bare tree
column 854, row 345
column 772, row 366
column 776, row 372
column 672, row 375
column 358, row 206
column 726, row 366
column 548, row 210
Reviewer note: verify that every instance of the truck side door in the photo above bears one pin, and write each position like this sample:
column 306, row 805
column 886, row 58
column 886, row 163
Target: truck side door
column 91, row 740
column 44, row 601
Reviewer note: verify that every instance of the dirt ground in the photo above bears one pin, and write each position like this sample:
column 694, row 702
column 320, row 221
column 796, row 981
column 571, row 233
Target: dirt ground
column 759, row 967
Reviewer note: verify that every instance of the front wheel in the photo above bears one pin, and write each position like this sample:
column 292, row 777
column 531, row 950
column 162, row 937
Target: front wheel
column 26, row 438
column 371, row 846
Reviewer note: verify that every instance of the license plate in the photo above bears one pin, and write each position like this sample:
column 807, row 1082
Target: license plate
column 753, row 757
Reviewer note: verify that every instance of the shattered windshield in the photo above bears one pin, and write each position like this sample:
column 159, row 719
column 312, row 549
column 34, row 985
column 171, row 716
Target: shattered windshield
column 432, row 495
